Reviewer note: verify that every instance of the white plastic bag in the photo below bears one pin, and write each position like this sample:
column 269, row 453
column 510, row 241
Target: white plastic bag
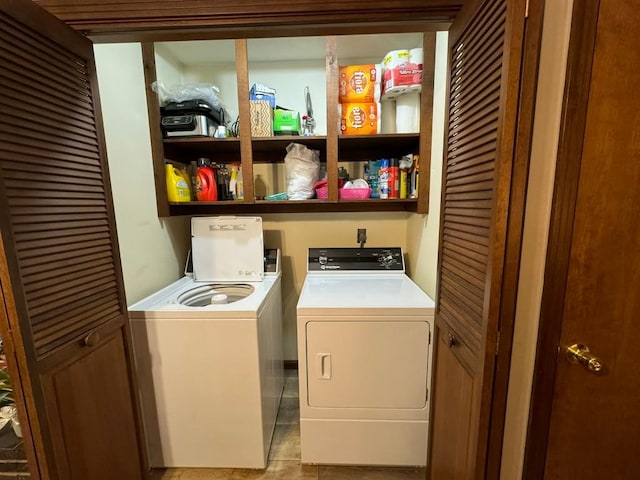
column 182, row 92
column 303, row 169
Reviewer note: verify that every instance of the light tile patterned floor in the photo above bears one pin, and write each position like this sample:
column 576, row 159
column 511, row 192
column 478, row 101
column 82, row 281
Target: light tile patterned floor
column 284, row 456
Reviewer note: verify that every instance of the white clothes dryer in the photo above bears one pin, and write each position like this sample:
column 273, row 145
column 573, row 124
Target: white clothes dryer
column 364, row 359
column 208, row 352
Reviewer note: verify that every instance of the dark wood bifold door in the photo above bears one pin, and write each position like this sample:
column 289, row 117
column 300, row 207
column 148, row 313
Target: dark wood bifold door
column 479, row 205
column 585, row 408
column 61, row 278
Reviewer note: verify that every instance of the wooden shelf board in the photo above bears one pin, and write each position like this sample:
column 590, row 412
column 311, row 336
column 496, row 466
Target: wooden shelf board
column 371, row 147
column 379, row 136
column 203, row 144
column 292, row 206
column 356, row 147
column 383, row 140
column 281, row 141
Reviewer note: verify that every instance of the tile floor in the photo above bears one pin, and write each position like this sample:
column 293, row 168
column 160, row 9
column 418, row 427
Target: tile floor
column 284, row 456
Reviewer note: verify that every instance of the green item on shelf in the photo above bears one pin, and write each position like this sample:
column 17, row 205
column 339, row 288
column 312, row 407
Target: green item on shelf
column 286, row 122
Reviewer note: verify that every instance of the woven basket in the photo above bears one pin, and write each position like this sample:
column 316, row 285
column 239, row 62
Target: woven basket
column 322, row 193
column 345, row 193
column 354, row 193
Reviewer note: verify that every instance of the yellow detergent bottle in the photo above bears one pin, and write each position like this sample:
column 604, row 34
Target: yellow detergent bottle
column 177, row 185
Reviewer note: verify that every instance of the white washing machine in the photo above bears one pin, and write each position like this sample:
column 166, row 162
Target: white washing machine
column 364, row 359
column 208, row 352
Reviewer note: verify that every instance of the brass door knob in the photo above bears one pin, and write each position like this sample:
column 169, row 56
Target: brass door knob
column 580, row 354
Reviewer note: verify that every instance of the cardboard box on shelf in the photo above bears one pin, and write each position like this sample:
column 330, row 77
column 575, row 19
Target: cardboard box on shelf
column 286, row 122
column 359, row 118
column 360, row 83
column 261, row 118
column 259, row 91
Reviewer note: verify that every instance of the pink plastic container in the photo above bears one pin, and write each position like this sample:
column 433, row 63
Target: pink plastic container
column 354, row 193
column 345, row 193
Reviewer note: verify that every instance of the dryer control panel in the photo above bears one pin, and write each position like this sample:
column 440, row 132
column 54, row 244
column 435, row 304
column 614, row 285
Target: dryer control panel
column 385, row 260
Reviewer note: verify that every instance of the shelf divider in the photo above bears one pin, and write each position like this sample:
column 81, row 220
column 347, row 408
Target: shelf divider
column 157, row 146
column 332, row 117
column 426, row 119
column 246, row 149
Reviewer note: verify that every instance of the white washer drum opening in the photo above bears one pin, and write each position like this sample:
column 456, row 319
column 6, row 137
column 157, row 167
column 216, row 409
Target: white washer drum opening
column 215, row 293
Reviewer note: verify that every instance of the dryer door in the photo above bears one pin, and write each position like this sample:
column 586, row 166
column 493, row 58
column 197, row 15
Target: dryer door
column 367, row 364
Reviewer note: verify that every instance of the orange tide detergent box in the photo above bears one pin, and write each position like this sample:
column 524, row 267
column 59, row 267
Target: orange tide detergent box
column 360, row 83
column 359, row 118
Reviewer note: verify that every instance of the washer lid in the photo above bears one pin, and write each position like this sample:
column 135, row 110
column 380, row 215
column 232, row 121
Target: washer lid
column 227, row 249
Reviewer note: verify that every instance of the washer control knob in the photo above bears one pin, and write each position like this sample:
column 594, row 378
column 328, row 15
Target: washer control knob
column 323, row 260
column 386, row 260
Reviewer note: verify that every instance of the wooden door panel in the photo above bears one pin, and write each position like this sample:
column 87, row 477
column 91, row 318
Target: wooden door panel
column 62, row 282
column 91, row 399
column 457, row 388
column 595, row 422
column 477, row 243
column 471, row 169
column 48, row 225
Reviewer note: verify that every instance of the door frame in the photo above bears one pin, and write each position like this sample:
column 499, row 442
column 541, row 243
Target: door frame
column 515, row 231
column 570, row 145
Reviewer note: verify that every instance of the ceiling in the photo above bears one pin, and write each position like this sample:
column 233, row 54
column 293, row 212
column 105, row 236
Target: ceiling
column 290, row 48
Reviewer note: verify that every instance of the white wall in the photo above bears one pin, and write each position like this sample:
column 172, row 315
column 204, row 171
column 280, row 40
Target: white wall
column 152, row 249
column 168, row 67
column 424, row 230
column 289, row 79
column 295, row 233
column 223, row 76
column 553, row 60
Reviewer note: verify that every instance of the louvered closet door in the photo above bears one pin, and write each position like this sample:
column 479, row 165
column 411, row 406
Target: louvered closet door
column 61, row 277
column 483, row 89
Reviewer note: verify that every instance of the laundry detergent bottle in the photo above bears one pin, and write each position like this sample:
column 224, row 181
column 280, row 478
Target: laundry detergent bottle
column 177, row 185
column 206, row 188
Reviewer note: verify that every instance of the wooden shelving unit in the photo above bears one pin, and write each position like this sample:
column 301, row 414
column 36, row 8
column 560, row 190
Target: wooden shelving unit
column 334, row 148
